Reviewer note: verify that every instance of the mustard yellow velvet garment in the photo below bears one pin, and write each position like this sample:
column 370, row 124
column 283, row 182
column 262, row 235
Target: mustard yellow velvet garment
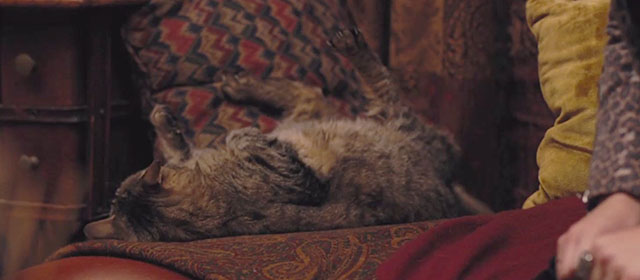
column 571, row 38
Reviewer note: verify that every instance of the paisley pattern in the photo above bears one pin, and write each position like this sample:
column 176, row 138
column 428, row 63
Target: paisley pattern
column 465, row 38
column 616, row 157
column 337, row 254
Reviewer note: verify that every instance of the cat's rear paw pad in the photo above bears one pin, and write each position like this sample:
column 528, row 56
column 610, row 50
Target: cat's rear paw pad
column 348, row 41
column 162, row 118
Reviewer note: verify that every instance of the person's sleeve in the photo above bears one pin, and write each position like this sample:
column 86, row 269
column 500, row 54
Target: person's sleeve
column 615, row 165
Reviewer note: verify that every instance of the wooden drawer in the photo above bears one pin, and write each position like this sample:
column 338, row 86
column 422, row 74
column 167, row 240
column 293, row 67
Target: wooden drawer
column 41, row 63
column 76, row 94
column 45, row 163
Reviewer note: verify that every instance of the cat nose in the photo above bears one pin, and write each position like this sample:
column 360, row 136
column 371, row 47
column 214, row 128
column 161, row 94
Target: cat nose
column 102, row 229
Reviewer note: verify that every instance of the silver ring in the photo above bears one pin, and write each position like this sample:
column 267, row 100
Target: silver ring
column 585, row 264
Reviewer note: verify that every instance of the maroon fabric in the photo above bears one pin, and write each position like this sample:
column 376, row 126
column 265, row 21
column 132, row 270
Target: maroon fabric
column 92, row 268
column 515, row 244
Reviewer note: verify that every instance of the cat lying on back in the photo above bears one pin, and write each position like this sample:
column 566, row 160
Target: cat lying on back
column 313, row 172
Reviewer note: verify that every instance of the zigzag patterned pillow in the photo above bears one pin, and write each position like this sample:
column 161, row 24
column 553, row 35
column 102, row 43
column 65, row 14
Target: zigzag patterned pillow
column 208, row 116
column 186, row 42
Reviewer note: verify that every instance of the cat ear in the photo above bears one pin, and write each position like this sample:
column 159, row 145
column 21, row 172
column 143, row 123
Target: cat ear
column 102, row 229
column 151, row 175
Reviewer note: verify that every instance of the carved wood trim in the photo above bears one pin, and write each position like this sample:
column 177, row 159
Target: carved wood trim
column 67, row 3
column 60, row 115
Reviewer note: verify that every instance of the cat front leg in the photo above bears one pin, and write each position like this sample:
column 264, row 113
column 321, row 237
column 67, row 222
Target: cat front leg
column 171, row 141
column 297, row 100
column 273, row 169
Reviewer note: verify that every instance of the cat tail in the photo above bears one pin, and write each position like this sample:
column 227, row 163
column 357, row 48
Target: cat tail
column 469, row 203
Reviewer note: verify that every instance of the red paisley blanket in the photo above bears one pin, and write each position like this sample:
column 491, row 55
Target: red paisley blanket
column 337, row 254
column 515, row 244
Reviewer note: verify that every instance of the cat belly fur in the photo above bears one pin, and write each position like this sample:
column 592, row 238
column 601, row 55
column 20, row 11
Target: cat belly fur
column 377, row 172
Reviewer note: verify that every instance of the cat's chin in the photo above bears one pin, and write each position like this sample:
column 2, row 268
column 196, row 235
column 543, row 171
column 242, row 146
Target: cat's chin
column 107, row 229
column 101, row 229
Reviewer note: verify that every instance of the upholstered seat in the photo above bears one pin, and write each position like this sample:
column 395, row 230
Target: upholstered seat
column 97, row 268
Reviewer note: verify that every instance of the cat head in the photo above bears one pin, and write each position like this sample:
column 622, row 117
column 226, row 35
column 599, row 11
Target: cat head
column 166, row 203
column 227, row 191
column 131, row 197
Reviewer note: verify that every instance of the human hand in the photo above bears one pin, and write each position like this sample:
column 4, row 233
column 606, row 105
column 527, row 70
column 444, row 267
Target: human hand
column 618, row 212
column 616, row 255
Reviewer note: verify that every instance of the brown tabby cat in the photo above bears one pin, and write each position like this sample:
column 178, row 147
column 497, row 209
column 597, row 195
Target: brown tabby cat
column 312, row 173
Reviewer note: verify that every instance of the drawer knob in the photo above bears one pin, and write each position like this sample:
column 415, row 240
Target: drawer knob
column 29, row 162
column 25, row 65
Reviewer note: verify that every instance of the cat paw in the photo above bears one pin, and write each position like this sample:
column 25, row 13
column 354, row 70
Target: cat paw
column 348, row 41
column 171, row 145
column 162, row 118
column 237, row 86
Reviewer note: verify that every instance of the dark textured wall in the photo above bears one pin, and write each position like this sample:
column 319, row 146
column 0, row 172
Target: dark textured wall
column 530, row 116
column 470, row 68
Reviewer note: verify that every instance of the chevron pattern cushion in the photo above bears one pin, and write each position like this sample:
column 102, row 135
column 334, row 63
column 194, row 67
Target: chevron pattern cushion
column 207, row 116
column 180, row 45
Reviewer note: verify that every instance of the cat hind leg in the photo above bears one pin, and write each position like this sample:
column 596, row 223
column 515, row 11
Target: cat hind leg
column 381, row 89
column 383, row 92
column 297, row 100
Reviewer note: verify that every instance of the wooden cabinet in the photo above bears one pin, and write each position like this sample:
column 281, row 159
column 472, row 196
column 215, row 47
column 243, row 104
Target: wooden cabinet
column 69, row 125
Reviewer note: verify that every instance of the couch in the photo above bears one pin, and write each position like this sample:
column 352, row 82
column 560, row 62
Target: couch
column 515, row 244
column 463, row 87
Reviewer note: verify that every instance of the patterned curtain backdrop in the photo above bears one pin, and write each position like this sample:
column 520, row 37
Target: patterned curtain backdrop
column 529, row 115
column 372, row 16
column 469, row 67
